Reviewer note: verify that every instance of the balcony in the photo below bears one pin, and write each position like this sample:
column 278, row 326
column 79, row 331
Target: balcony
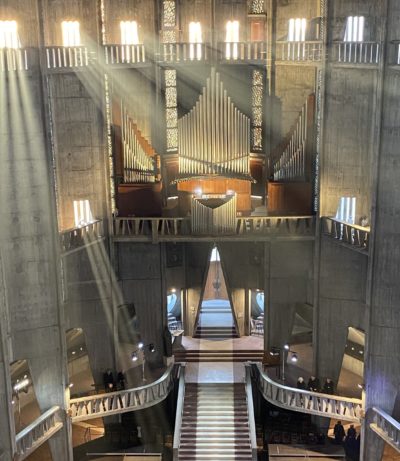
column 394, row 54
column 59, row 58
column 357, row 53
column 124, row 55
column 246, row 228
column 184, row 52
column 349, row 235
column 12, row 59
column 74, row 239
column 242, row 52
column 309, row 52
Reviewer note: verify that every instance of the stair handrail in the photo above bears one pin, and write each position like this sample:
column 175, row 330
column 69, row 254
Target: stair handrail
column 250, row 412
column 315, row 403
column 386, row 427
column 179, row 412
column 40, row 430
column 291, row 158
column 99, row 405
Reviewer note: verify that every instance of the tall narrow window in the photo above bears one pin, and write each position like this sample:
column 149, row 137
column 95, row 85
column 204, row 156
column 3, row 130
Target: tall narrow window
column 129, row 33
column 195, row 40
column 9, row 35
column 71, row 35
column 232, row 39
column 82, row 213
column 354, row 29
column 257, row 31
column 297, row 30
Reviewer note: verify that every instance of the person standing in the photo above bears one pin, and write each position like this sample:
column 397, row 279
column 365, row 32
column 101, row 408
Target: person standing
column 339, row 433
column 328, row 387
column 301, row 384
column 108, row 380
column 313, row 384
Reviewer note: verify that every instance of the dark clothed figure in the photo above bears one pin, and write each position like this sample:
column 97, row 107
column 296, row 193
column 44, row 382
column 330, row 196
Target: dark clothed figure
column 351, row 432
column 301, row 384
column 339, row 433
column 313, row 384
column 108, row 380
column 121, row 380
column 328, row 387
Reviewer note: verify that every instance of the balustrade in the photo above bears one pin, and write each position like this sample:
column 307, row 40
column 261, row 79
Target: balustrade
column 350, row 234
column 394, row 53
column 61, row 57
column 310, row 51
column 357, row 52
column 315, row 403
column 133, row 399
column 184, row 52
column 124, row 54
column 386, row 427
column 44, row 427
column 13, row 59
column 77, row 237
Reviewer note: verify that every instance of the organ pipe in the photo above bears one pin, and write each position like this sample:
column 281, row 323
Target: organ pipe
column 214, row 137
column 139, row 166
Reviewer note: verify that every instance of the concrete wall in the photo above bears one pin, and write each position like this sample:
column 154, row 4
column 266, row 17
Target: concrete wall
column 341, row 304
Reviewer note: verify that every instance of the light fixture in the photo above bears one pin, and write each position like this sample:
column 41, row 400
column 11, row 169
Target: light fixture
column 286, row 347
column 173, row 290
column 294, row 357
column 198, row 191
column 152, row 348
column 21, row 385
column 70, row 385
column 140, row 345
column 274, row 351
column 134, row 357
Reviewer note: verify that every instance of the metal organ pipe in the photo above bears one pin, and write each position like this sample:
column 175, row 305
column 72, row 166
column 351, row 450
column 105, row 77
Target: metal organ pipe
column 214, row 137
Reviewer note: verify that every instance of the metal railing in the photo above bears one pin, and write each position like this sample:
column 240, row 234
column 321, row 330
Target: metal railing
column 184, row 52
column 315, row 403
column 250, row 412
column 44, row 427
column 242, row 51
column 13, row 59
column 386, row 427
column 350, row 234
column 158, row 228
column 112, row 403
column 61, row 57
column 357, row 52
column 179, row 413
column 124, row 54
column 77, row 237
column 310, row 51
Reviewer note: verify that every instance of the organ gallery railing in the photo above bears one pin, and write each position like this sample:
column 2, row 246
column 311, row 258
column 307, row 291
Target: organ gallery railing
column 350, row 234
column 293, row 155
column 242, row 51
column 34, row 435
column 112, row 403
column 155, row 229
column 183, row 52
column 386, row 427
column 139, row 157
column 214, row 137
column 213, row 215
column 315, row 403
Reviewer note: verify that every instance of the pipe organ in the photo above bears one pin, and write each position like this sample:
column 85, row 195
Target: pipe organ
column 214, row 137
column 140, row 161
column 213, row 215
column 292, row 162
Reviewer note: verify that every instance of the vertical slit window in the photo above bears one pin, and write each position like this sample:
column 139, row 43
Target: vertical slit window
column 195, row 40
column 129, row 33
column 297, row 30
column 9, row 34
column 71, row 35
column 354, row 29
column 232, row 39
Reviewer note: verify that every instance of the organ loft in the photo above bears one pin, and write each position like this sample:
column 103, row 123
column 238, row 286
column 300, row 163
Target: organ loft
column 199, row 207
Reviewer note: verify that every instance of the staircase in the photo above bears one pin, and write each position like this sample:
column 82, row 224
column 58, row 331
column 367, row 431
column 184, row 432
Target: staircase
column 217, row 332
column 215, row 423
column 244, row 355
column 216, row 321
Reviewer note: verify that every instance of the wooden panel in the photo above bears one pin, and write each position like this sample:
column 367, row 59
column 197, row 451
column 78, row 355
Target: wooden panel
column 139, row 199
column 289, row 198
